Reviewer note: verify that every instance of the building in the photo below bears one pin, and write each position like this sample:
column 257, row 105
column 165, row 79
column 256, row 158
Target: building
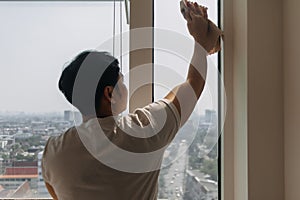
column 72, row 116
column 24, row 164
column 6, row 140
column 42, row 190
column 20, row 171
column 14, row 177
column 67, row 115
column 211, row 116
column 12, row 182
column 198, row 187
column 21, row 135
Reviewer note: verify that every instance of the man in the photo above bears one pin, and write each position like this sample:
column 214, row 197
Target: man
column 78, row 165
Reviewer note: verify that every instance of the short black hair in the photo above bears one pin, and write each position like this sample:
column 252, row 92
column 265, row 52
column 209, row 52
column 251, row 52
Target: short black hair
column 102, row 61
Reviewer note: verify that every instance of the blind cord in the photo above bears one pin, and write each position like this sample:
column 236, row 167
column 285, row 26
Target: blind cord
column 114, row 27
column 121, row 37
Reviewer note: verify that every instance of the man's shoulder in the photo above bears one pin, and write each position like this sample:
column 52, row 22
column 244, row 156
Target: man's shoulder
column 62, row 136
column 57, row 143
column 162, row 110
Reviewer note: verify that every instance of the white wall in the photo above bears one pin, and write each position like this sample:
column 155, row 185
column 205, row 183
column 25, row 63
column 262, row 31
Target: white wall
column 291, row 30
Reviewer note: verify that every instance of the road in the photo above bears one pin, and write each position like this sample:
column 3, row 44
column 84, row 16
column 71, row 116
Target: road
column 175, row 176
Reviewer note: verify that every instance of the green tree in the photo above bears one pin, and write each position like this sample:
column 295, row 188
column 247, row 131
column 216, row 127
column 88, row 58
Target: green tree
column 210, row 167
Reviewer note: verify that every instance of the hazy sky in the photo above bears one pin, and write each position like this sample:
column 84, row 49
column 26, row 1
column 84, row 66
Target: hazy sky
column 37, row 39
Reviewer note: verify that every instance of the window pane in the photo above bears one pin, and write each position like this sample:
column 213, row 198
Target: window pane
column 37, row 40
column 191, row 160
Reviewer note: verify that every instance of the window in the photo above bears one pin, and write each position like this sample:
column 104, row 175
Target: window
column 191, row 161
column 36, row 40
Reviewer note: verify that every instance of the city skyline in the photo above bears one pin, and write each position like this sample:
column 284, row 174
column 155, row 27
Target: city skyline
column 22, row 140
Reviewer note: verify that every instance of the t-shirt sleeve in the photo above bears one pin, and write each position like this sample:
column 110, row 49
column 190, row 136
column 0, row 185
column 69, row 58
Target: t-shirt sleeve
column 163, row 116
column 154, row 125
column 173, row 111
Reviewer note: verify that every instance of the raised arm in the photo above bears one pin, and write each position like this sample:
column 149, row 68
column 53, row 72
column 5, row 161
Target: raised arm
column 186, row 95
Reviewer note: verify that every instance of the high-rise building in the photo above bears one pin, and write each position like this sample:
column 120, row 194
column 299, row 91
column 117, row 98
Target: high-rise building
column 72, row 116
column 67, row 115
column 210, row 116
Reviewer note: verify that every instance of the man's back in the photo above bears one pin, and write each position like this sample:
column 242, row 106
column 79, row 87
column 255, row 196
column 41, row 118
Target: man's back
column 87, row 178
column 77, row 174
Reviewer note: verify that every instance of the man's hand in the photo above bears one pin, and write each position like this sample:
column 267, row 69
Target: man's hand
column 197, row 22
column 198, row 27
column 198, row 9
column 204, row 31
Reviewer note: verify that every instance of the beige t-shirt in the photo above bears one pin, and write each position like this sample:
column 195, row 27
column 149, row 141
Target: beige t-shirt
column 111, row 158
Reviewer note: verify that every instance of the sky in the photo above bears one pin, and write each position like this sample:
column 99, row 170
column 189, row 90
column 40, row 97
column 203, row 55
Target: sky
column 38, row 39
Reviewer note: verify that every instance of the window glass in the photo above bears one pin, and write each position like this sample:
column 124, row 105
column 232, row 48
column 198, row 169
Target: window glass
column 190, row 166
column 37, row 40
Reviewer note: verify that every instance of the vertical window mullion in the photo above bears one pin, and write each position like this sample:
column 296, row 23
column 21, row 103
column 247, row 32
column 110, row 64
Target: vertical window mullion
column 141, row 22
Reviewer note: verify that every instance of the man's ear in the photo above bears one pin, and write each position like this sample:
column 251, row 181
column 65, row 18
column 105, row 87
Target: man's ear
column 107, row 93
